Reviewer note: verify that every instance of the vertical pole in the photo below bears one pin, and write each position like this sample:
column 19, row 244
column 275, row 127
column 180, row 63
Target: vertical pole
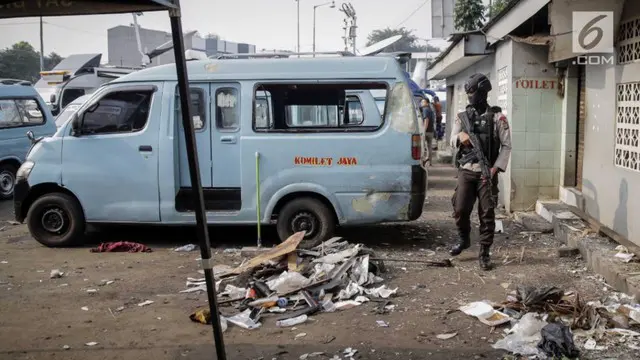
column 194, row 172
column 355, row 28
column 298, row 1
column 314, row 31
column 41, row 45
column 258, row 197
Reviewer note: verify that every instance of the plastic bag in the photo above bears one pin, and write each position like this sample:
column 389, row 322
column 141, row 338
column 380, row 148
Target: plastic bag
column 288, row 281
column 557, row 341
column 530, row 296
column 523, row 337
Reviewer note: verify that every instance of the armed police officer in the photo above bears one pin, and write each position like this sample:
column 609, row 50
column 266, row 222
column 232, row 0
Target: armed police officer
column 481, row 135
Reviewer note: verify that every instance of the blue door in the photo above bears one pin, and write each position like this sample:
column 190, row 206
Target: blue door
column 111, row 162
column 200, row 111
column 225, row 145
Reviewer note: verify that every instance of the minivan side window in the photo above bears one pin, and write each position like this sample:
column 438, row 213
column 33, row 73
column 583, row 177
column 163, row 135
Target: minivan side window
column 198, row 110
column 227, row 109
column 118, row 112
column 317, row 107
column 19, row 113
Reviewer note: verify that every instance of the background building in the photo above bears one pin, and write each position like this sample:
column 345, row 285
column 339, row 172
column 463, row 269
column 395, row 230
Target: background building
column 123, row 46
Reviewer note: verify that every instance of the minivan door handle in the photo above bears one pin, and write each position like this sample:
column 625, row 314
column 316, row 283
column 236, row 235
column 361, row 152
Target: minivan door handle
column 145, row 148
column 228, row 139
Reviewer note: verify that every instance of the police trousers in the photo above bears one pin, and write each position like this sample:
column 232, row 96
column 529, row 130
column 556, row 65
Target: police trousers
column 469, row 188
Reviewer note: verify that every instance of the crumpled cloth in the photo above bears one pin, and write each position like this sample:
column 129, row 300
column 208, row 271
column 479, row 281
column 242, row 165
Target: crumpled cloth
column 121, row 246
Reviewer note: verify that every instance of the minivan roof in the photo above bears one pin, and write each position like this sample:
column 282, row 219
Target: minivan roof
column 18, row 90
column 352, row 67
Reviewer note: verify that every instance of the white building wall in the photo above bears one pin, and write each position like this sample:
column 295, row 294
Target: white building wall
column 611, row 167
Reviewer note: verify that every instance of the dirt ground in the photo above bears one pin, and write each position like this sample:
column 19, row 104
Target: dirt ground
column 39, row 315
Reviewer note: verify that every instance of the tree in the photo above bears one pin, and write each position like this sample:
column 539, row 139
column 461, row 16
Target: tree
column 408, row 43
column 496, row 7
column 22, row 61
column 468, row 15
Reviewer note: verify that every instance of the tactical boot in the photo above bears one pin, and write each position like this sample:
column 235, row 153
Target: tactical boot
column 485, row 257
column 462, row 245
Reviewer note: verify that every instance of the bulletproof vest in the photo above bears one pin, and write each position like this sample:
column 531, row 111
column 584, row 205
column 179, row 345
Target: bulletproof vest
column 484, row 128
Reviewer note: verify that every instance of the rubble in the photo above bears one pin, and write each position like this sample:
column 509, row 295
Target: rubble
column 291, row 284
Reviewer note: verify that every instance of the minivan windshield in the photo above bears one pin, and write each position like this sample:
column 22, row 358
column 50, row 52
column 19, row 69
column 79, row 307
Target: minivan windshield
column 66, row 114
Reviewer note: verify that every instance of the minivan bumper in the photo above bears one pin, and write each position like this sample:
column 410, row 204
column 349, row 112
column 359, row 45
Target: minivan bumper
column 20, row 192
column 418, row 191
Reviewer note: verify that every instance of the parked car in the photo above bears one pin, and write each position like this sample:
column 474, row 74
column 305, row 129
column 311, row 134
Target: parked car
column 306, row 130
column 21, row 110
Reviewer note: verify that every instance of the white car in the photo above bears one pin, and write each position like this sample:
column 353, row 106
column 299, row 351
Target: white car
column 70, row 109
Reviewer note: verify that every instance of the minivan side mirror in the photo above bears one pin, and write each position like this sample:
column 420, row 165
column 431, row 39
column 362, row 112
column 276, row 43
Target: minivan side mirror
column 31, row 137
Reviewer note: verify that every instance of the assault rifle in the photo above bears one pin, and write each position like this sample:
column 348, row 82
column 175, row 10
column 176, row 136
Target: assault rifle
column 476, row 152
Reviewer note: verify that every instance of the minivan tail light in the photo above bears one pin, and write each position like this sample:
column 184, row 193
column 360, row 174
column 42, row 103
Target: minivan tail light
column 416, row 146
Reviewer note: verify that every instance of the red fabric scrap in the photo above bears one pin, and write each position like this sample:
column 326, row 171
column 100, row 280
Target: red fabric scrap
column 121, row 246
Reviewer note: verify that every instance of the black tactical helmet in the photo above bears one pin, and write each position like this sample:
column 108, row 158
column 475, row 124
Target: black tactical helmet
column 477, row 82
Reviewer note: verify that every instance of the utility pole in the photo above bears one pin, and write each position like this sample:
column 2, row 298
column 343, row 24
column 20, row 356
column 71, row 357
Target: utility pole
column 350, row 29
column 298, row 51
column 41, row 46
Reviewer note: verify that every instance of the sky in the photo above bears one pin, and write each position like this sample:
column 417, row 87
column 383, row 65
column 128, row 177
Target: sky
column 269, row 24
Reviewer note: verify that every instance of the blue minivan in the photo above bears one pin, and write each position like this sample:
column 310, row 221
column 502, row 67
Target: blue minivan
column 21, row 110
column 300, row 143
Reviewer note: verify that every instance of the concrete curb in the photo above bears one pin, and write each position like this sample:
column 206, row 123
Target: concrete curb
column 596, row 250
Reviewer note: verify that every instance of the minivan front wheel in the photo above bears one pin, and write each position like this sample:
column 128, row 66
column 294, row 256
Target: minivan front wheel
column 7, row 181
column 56, row 220
column 309, row 215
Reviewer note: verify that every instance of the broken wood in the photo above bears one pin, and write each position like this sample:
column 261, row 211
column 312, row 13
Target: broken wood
column 282, row 249
column 443, row 263
column 522, row 254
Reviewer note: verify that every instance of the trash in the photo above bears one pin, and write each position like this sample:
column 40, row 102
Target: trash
column 92, row 291
column 203, row 316
column 145, row 303
column 344, row 305
column 284, row 248
column 522, row 338
column 349, row 352
column 557, row 341
column 292, row 322
column 121, row 246
column 446, row 336
column 381, row 292
column 361, row 299
column 499, row 228
column 66, row 347
column 106, row 282
column 301, row 335
column 485, row 313
column 93, row 343
column 382, row 323
column 186, row 248
column 287, row 282
column 56, row 274
column 244, row 320
column 84, row 308
column 623, row 253
column 531, row 297
column 592, row 345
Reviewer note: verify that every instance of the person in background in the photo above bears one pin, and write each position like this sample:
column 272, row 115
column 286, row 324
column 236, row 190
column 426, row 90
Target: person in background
column 428, row 118
column 438, row 110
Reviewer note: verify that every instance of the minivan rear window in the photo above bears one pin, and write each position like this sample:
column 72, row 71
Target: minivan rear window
column 19, row 113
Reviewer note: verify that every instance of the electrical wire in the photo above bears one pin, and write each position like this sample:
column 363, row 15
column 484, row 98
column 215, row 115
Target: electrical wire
column 413, row 13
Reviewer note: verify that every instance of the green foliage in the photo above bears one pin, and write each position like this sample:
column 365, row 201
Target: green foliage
column 409, row 41
column 22, row 61
column 468, row 15
column 496, row 7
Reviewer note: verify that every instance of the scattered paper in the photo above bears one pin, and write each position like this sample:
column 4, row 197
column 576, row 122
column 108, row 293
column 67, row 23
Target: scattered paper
column 485, row 313
column 93, row 343
column 382, row 323
column 55, row 274
column 84, row 308
column 145, row 303
column 446, row 336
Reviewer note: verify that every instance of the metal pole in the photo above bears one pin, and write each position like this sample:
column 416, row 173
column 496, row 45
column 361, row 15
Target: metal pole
column 298, row 1
column 194, row 172
column 314, row 30
column 41, row 45
column 355, row 28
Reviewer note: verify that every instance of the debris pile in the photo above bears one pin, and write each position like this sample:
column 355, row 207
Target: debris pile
column 291, row 284
column 546, row 320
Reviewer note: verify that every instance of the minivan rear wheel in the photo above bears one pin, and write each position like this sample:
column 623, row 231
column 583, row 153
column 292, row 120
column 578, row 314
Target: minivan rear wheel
column 56, row 220
column 7, row 181
column 309, row 215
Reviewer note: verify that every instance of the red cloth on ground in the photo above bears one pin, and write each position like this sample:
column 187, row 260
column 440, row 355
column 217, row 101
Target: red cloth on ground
column 121, row 246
